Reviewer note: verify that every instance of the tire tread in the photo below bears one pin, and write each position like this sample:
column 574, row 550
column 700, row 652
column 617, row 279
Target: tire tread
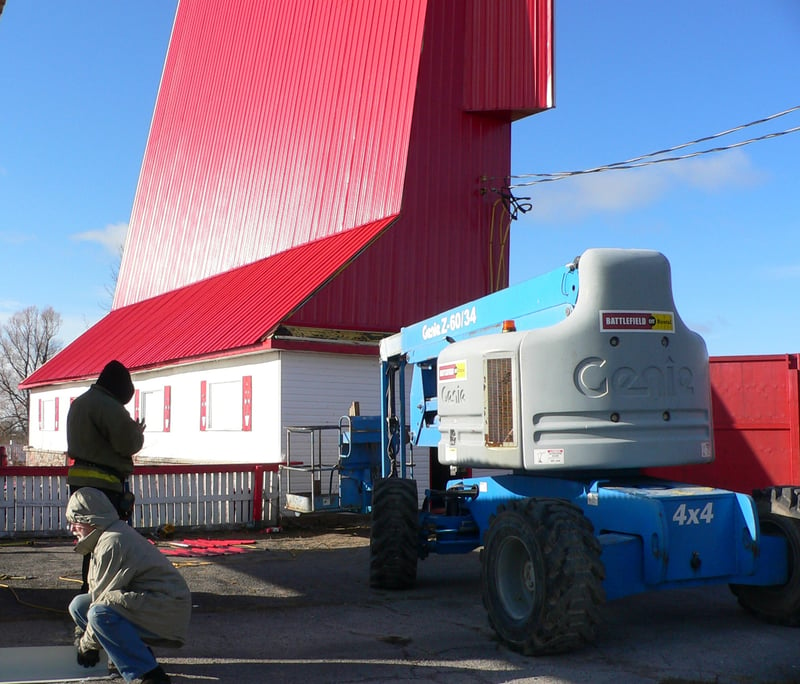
column 394, row 538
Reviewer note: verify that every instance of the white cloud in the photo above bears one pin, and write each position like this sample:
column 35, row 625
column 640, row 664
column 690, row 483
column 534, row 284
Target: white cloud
column 731, row 169
column 785, row 272
column 112, row 237
column 625, row 190
column 12, row 238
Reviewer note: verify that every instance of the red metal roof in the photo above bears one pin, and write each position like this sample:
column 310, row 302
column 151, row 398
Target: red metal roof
column 278, row 123
column 233, row 311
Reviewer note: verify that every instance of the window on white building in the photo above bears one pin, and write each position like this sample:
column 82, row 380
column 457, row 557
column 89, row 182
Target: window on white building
column 152, row 410
column 224, row 405
column 49, row 417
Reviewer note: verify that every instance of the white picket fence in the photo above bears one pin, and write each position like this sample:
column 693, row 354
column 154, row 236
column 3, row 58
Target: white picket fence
column 33, row 499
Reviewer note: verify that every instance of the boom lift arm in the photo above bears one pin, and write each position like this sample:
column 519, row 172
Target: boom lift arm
column 541, row 301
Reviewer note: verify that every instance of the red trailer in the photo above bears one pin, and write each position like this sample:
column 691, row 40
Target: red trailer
column 756, row 404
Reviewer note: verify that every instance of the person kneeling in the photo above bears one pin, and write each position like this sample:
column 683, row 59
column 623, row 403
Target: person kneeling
column 136, row 596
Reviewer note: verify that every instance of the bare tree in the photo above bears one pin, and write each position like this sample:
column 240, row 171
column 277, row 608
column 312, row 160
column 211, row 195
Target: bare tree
column 111, row 287
column 27, row 340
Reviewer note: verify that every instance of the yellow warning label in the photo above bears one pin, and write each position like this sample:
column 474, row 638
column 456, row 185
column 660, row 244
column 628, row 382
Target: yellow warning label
column 457, row 370
column 643, row 321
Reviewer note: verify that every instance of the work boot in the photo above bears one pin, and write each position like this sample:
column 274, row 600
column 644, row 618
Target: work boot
column 156, row 676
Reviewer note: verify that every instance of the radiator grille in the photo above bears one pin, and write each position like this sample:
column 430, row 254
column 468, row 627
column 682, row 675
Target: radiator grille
column 499, row 403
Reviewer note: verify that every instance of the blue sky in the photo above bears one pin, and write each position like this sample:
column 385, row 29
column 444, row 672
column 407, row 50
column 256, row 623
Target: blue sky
column 77, row 91
column 635, row 77
column 79, row 83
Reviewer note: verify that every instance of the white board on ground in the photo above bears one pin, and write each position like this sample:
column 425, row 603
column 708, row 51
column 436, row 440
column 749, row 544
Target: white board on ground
column 47, row 664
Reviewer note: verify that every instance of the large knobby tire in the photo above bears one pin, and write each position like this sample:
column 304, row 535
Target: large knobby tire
column 394, row 539
column 779, row 604
column 542, row 577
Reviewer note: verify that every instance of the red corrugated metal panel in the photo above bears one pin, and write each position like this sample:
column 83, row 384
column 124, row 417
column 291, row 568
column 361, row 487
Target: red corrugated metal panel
column 239, row 159
column 509, row 60
column 276, row 123
column 756, row 406
column 231, row 311
column 450, row 243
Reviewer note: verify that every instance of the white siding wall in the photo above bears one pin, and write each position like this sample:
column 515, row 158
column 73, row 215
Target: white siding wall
column 319, row 388
column 185, row 442
column 41, row 432
column 288, row 388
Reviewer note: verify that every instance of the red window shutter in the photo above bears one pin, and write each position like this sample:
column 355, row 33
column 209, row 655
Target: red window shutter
column 202, row 406
column 56, row 418
column 136, row 405
column 167, row 406
column 41, row 416
column 247, row 403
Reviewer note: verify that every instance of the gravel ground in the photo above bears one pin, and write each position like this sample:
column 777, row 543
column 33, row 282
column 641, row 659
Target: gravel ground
column 296, row 606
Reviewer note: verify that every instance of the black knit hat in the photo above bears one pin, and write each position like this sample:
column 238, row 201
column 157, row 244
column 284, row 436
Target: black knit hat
column 117, row 380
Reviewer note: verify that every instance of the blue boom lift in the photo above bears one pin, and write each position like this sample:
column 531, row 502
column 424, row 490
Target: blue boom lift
column 564, row 388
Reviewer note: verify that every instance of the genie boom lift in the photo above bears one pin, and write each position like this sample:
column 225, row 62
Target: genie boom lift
column 546, row 402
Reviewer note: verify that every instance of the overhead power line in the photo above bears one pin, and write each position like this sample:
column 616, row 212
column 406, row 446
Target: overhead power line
column 649, row 160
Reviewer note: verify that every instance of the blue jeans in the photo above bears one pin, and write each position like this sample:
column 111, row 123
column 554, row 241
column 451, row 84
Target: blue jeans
column 120, row 638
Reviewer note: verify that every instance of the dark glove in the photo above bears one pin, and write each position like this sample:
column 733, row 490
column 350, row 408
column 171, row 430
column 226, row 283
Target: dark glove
column 88, row 658
column 126, row 503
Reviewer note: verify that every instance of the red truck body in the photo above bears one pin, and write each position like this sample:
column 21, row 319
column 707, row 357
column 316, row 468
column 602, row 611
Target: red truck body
column 756, row 405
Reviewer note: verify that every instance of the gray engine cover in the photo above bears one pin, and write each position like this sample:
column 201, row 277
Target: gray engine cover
column 620, row 383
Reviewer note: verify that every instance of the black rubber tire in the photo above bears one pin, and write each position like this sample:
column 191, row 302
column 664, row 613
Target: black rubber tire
column 541, row 576
column 394, row 538
column 778, row 605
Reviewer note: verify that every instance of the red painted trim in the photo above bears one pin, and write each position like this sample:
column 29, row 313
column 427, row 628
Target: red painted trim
column 136, row 405
column 56, row 417
column 186, row 469
column 247, row 403
column 258, row 493
column 167, row 406
column 793, row 410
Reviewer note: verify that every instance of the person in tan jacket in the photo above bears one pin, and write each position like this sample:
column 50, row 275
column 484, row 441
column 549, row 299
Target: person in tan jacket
column 136, row 596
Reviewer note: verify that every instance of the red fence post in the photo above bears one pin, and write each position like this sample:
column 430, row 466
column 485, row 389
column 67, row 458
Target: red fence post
column 258, row 494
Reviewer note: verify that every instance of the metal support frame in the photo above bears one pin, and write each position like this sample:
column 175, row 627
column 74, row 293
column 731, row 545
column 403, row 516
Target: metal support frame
column 317, row 498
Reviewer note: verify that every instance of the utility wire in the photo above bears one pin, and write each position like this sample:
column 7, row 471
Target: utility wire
column 646, row 159
column 549, row 177
column 31, row 605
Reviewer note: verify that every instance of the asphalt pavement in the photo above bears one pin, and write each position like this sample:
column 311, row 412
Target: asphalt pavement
column 296, row 606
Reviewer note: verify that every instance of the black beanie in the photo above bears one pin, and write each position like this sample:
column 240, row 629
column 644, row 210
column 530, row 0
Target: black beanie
column 117, row 380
